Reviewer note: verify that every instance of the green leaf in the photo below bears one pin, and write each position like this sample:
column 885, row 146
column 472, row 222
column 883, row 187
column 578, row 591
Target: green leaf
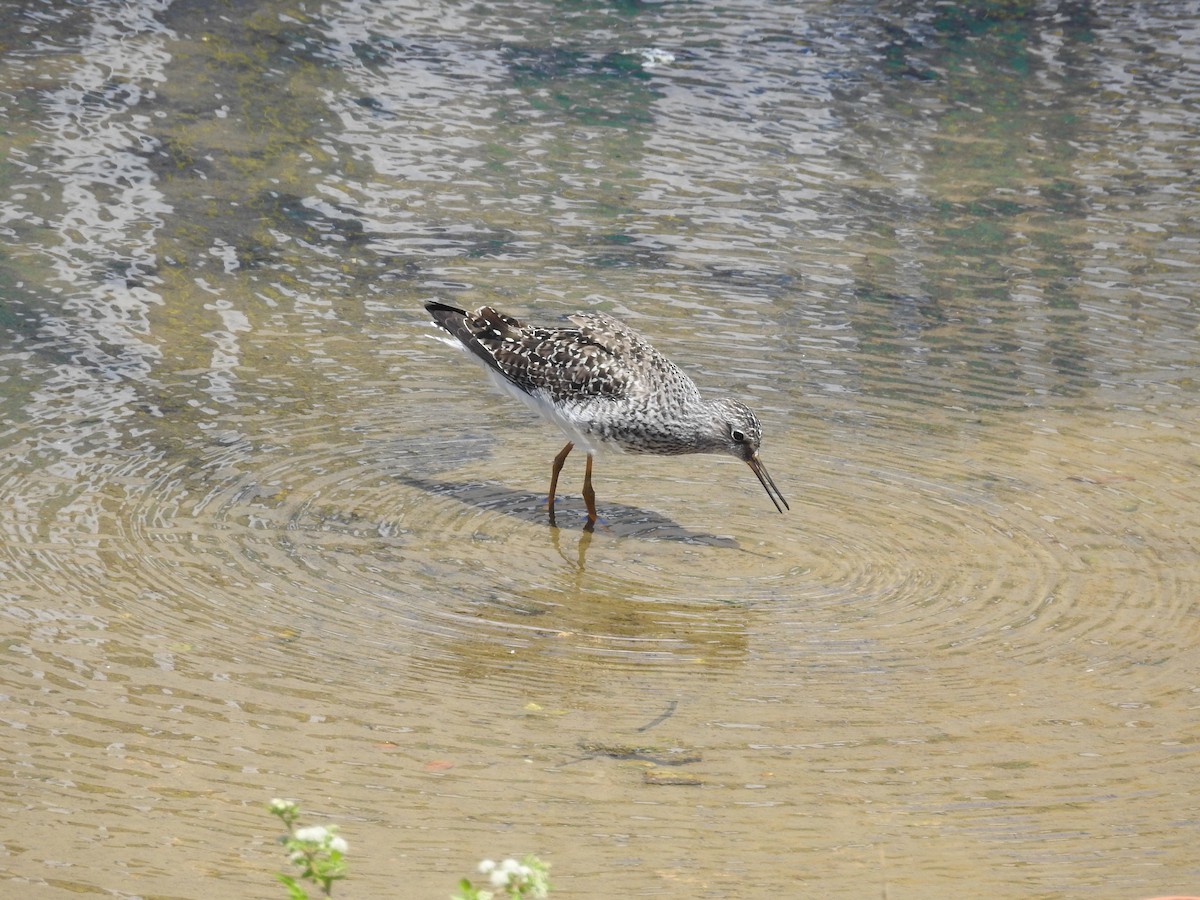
column 295, row 892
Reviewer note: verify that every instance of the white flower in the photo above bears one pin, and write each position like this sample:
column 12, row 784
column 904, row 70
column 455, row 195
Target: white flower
column 509, row 873
column 278, row 806
column 338, row 843
column 486, row 866
column 312, row 834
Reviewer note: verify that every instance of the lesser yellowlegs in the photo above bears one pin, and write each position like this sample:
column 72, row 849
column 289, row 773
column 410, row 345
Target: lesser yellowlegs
column 605, row 386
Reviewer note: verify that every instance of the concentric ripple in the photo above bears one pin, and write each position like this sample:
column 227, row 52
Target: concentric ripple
column 260, row 537
column 1034, row 545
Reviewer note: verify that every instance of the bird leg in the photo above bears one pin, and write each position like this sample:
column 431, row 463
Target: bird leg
column 558, row 464
column 589, row 495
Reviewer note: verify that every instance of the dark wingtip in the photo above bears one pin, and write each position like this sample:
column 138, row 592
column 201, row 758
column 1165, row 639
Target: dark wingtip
column 449, row 318
column 433, row 307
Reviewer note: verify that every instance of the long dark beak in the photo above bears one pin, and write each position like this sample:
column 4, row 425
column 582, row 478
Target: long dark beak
column 767, row 482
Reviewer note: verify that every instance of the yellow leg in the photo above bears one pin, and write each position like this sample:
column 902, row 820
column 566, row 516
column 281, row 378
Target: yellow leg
column 558, row 464
column 589, row 495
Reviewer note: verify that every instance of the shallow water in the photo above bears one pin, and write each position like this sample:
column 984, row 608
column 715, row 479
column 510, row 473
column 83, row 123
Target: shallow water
column 263, row 535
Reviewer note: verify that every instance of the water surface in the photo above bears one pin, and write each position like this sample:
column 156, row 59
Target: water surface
column 263, row 535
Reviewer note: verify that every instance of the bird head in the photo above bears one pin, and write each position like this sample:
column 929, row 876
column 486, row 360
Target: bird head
column 738, row 433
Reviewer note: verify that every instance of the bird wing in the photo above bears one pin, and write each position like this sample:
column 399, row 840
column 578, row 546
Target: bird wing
column 599, row 358
column 643, row 367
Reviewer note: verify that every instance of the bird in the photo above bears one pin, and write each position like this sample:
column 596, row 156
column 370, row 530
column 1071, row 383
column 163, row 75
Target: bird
column 606, row 387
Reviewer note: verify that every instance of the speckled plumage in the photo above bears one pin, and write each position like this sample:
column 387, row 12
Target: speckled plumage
column 605, row 386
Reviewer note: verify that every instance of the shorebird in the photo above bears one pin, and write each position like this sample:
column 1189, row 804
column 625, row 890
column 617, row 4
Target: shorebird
column 605, row 386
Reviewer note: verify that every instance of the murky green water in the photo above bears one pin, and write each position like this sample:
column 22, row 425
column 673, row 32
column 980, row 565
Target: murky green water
column 262, row 535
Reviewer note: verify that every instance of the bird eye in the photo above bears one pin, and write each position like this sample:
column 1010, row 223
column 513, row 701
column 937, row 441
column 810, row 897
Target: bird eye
column 737, row 435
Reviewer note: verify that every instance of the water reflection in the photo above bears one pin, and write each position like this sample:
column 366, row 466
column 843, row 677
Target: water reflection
column 260, row 540
column 617, row 519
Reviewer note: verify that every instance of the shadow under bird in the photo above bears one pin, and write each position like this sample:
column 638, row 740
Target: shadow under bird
column 605, row 386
